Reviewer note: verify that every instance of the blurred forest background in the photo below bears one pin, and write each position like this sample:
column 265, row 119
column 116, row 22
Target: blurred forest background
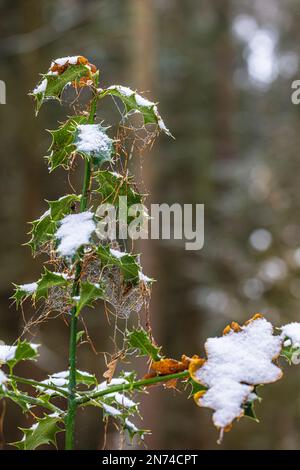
column 222, row 72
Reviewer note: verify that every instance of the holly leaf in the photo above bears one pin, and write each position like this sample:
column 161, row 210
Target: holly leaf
column 63, row 144
column 43, row 432
column 85, row 378
column 127, row 263
column 112, row 185
column 24, row 351
column 52, row 86
column 89, row 292
column 133, row 102
column 140, row 340
column 49, row 279
column 44, row 228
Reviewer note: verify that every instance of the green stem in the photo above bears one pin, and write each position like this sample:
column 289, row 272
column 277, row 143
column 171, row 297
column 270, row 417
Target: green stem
column 72, row 404
column 131, row 386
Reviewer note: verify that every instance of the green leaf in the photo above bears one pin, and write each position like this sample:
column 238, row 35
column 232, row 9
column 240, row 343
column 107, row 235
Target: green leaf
column 140, row 340
column 195, row 387
column 43, row 432
column 112, row 185
column 63, row 144
column 103, row 152
column 127, row 263
column 85, row 378
column 44, row 228
column 134, row 102
column 54, row 85
column 24, row 351
column 249, row 411
column 88, row 294
column 49, row 279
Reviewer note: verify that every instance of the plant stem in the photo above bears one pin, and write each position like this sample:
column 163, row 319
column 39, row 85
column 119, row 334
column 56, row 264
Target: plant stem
column 131, row 386
column 72, row 404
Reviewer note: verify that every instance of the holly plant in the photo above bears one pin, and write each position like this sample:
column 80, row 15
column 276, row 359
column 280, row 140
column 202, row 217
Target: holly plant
column 86, row 269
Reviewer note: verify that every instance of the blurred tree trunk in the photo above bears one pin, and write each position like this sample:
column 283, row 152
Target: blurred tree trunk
column 143, row 60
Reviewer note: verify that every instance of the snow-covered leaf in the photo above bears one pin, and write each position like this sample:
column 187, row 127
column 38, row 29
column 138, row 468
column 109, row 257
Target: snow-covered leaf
column 236, row 362
column 74, row 71
column 75, row 230
column 22, row 351
column 63, row 142
column 92, row 141
column 43, row 229
column 133, row 102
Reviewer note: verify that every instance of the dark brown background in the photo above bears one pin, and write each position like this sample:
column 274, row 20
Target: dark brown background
column 224, row 83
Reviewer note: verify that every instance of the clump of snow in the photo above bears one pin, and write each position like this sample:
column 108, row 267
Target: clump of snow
column 41, row 87
column 123, row 400
column 3, row 378
column 111, row 410
column 59, row 379
column 144, row 278
column 123, row 90
column 117, row 254
column 141, row 101
column 91, row 138
column 72, row 60
column 29, row 288
column 292, row 331
column 130, row 425
column 7, row 353
column 236, row 362
column 75, row 230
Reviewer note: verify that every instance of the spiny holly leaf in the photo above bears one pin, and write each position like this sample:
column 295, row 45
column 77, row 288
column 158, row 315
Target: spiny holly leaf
column 43, row 432
column 140, row 340
column 92, row 141
column 24, row 351
column 52, row 86
column 126, row 262
column 62, row 144
column 135, row 102
column 44, row 228
column 23, row 291
column 112, row 185
column 88, row 294
column 49, row 279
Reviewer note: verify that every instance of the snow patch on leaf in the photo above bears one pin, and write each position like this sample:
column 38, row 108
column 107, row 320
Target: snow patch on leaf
column 75, row 230
column 91, row 138
column 236, row 363
column 292, row 331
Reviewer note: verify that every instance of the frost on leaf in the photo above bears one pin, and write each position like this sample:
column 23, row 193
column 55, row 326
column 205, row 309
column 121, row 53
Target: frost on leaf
column 75, row 230
column 236, row 362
